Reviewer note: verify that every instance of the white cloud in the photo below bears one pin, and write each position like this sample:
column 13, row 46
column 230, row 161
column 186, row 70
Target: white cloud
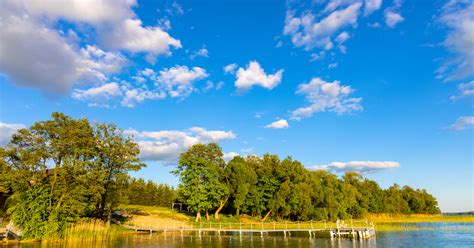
column 306, row 31
column 132, row 36
column 166, row 146
column 133, row 96
column 255, row 75
column 230, row 155
column 282, row 123
column 363, row 167
column 230, row 68
column 463, row 122
column 372, row 6
column 326, row 96
column 458, row 17
column 466, row 90
column 178, row 81
column 203, row 52
column 36, row 56
column 392, row 18
column 332, row 65
column 7, row 130
column 99, row 93
column 31, row 36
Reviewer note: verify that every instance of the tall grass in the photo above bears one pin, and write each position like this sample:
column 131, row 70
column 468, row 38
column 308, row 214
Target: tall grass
column 416, row 218
column 92, row 230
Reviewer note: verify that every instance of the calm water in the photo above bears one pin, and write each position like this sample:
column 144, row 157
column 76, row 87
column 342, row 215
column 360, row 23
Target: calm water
column 440, row 235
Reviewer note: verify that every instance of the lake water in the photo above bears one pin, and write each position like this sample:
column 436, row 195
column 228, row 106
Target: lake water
column 434, row 235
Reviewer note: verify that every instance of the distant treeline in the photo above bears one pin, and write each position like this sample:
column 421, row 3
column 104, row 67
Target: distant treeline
column 139, row 192
column 284, row 189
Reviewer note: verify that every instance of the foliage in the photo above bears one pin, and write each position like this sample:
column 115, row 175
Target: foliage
column 150, row 193
column 63, row 169
column 284, row 189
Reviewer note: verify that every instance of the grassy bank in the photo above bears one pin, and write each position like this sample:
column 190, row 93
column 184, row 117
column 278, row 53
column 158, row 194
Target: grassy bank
column 416, row 218
column 158, row 217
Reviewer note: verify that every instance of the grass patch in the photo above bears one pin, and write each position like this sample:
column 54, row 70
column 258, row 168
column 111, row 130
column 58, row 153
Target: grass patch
column 92, row 230
column 416, row 218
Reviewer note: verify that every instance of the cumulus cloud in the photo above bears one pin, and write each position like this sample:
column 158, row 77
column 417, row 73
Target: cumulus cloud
column 31, row 36
column 203, row 52
column 363, row 167
column 7, row 130
column 282, row 123
column 326, row 96
column 230, row 68
column 255, row 75
column 178, row 81
column 306, row 31
column 230, row 155
column 166, row 146
column 466, row 90
column 371, row 6
column 463, row 122
column 132, row 36
column 99, row 93
column 458, row 18
column 392, row 18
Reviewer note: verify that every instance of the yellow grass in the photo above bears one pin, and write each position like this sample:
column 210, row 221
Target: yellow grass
column 92, row 230
column 416, row 218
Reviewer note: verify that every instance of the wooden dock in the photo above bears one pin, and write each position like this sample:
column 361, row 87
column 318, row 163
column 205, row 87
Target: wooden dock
column 333, row 230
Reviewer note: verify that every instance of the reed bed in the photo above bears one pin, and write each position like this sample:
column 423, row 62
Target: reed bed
column 417, row 218
column 92, row 230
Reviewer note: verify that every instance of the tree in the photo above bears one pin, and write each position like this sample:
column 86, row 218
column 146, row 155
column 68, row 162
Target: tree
column 62, row 169
column 200, row 183
column 241, row 179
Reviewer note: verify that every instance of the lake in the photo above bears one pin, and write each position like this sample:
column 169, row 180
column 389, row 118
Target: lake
column 431, row 235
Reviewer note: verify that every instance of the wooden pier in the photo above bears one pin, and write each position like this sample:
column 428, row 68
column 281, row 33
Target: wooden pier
column 339, row 229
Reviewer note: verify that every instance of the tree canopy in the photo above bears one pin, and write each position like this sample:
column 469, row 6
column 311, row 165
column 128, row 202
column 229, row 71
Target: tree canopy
column 284, row 189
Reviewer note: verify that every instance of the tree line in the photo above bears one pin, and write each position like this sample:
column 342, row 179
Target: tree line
column 149, row 193
column 284, row 189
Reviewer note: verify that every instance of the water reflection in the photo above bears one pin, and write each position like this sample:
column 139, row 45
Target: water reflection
column 443, row 235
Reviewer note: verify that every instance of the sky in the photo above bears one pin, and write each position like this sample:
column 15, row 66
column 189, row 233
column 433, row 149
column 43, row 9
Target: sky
column 384, row 88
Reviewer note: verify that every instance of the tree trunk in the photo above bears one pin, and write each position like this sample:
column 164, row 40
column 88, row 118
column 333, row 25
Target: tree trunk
column 216, row 214
column 267, row 215
column 198, row 216
column 207, row 215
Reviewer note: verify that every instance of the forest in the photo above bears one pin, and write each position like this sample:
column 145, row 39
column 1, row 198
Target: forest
column 284, row 189
column 63, row 170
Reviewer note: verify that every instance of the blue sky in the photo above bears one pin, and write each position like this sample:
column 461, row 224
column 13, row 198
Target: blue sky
column 381, row 87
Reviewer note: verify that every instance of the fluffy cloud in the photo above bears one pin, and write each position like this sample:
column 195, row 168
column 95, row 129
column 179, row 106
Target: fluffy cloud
column 99, row 93
column 463, row 122
column 174, row 82
column 255, row 75
column 306, row 31
column 31, row 36
column 203, row 52
column 392, row 18
column 166, row 146
column 458, row 17
column 230, row 68
column 326, row 96
column 363, row 167
column 466, row 90
column 230, row 155
column 371, row 6
column 132, row 36
column 7, row 130
column 282, row 123
column 178, row 81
